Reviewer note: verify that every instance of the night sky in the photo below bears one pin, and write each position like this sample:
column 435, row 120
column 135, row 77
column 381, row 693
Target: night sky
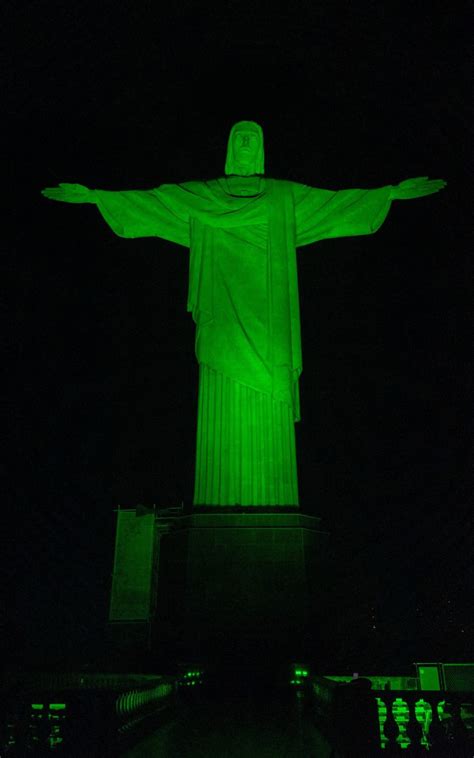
column 100, row 349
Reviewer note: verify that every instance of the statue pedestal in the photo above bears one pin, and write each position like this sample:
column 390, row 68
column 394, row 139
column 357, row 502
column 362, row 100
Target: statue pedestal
column 214, row 586
column 238, row 582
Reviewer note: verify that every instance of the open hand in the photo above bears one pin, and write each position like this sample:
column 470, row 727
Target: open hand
column 417, row 187
column 69, row 193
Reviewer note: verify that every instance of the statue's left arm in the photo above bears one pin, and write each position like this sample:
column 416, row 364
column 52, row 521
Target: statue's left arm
column 323, row 214
column 417, row 187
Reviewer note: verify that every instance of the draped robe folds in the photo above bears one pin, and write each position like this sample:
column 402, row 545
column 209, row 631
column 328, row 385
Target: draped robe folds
column 243, row 295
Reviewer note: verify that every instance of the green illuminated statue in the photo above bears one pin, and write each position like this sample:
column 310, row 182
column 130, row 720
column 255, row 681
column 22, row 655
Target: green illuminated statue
column 243, row 230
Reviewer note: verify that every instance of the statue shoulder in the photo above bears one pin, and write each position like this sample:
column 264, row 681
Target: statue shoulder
column 194, row 185
column 183, row 190
column 199, row 188
column 285, row 187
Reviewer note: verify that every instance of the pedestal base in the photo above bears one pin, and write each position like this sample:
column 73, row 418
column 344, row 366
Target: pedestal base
column 238, row 582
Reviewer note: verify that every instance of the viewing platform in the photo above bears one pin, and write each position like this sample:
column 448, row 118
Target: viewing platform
column 236, row 710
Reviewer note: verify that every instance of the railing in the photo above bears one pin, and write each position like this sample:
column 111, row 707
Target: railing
column 355, row 717
column 80, row 714
column 418, row 721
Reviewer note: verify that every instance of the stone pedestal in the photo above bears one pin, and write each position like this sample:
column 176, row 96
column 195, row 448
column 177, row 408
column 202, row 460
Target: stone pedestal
column 238, row 583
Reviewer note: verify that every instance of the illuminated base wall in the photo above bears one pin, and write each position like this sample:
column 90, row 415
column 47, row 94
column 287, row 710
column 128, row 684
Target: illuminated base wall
column 238, row 582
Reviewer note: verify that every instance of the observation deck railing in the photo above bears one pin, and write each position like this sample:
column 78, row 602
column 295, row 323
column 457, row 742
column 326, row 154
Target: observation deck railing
column 76, row 714
column 360, row 721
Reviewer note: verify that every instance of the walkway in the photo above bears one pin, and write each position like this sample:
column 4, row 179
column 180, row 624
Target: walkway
column 242, row 727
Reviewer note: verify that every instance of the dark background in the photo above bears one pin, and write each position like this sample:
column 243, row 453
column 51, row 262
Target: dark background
column 100, row 363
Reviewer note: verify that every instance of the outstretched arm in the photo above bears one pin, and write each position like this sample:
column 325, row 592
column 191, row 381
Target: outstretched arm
column 322, row 214
column 417, row 187
column 160, row 212
column 69, row 193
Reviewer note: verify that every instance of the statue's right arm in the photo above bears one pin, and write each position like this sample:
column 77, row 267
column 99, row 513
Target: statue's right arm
column 69, row 193
column 160, row 212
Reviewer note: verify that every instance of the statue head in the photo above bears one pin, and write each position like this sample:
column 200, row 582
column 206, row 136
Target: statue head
column 245, row 154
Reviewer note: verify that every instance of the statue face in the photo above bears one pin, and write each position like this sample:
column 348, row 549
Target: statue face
column 245, row 144
column 245, row 153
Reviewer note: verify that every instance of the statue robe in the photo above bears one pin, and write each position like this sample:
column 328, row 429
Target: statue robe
column 243, row 294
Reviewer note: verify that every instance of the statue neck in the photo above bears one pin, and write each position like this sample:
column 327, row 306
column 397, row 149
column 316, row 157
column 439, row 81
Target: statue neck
column 244, row 185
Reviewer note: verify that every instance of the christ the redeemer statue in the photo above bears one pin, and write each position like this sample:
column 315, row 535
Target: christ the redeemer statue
column 243, row 230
